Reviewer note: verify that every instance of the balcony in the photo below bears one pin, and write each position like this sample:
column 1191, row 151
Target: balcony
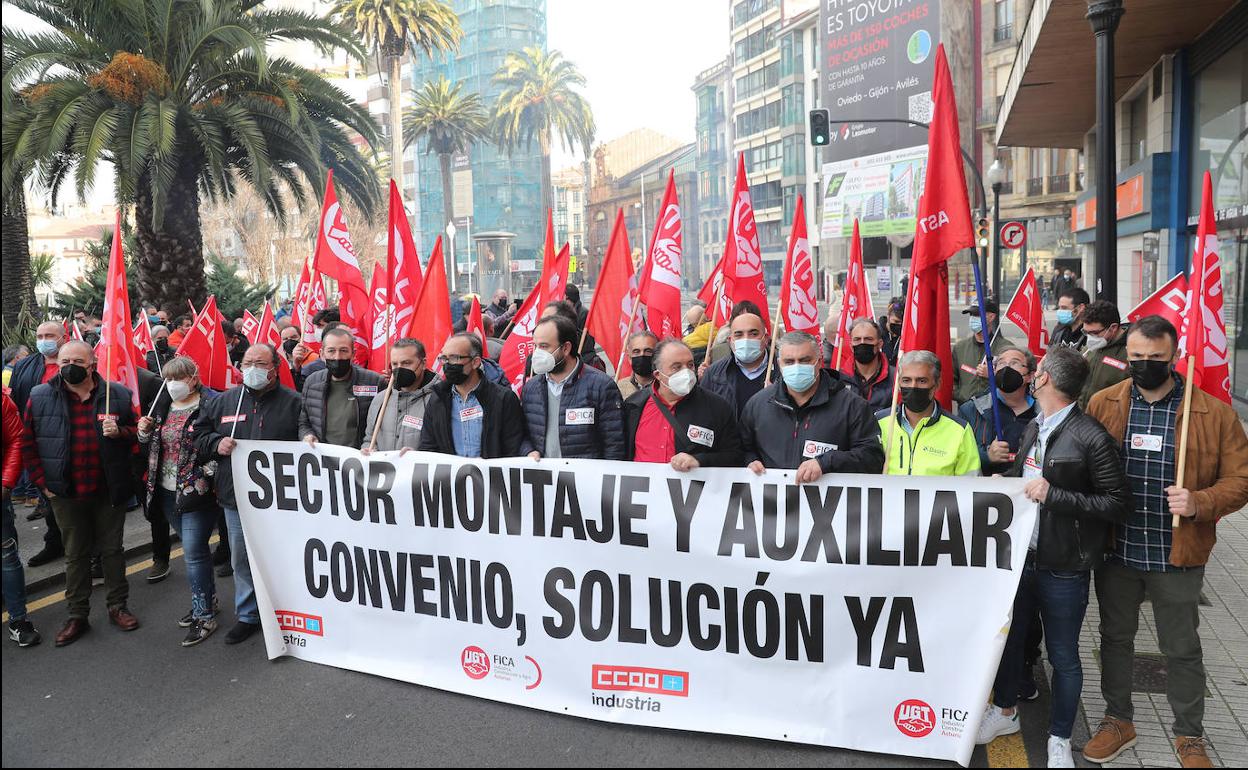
column 1059, row 183
column 1007, row 188
column 1003, row 34
column 1035, row 186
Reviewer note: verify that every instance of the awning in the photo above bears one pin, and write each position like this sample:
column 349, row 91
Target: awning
column 1051, row 97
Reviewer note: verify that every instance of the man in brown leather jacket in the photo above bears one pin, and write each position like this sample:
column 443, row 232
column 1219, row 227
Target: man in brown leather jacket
column 1148, row 555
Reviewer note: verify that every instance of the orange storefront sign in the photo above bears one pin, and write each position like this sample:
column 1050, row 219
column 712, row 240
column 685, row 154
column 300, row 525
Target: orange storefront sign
column 1130, row 203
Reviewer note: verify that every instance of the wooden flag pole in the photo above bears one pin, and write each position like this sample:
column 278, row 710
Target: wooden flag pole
column 584, row 332
column 1188, row 387
column 628, row 331
column 892, row 406
column 771, row 354
column 381, row 415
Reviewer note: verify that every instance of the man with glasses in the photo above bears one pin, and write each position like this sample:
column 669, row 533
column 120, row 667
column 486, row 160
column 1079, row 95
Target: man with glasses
column 468, row 415
column 258, row 409
column 1105, row 349
column 1015, row 369
column 678, row 422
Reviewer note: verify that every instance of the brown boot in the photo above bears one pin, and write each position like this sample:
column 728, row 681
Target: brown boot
column 1113, row 736
column 123, row 618
column 1192, row 752
column 71, row 631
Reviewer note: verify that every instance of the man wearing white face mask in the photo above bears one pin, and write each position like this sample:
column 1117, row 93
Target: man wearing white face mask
column 737, row 378
column 570, row 410
column 833, row 428
column 970, row 370
column 258, row 409
column 675, row 421
column 1106, row 349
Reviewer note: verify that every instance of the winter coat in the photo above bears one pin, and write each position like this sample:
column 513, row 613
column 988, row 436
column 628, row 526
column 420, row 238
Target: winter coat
column 405, row 416
column 590, row 422
column 271, row 416
column 12, row 436
column 700, row 411
column 722, row 381
column 1106, row 367
column 194, row 484
column 365, row 385
column 502, row 429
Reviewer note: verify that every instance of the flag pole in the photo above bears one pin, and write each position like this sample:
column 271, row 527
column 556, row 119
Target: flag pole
column 381, row 415
column 994, row 397
column 108, row 392
column 771, row 354
column 1188, row 387
column 239, row 409
column 628, row 330
column 892, row 405
column 152, row 410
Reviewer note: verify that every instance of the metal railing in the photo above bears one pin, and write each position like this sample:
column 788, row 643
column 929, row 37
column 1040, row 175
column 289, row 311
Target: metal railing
column 1059, row 183
column 1003, row 33
column 1035, row 185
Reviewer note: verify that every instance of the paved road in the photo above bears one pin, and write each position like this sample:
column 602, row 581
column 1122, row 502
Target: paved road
column 141, row 699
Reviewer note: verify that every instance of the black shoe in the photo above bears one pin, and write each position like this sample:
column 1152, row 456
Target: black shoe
column 201, row 630
column 241, row 632
column 23, row 632
column 220, row 556
column 46, row 556
column 38, row 513
column 186, row 620
column 97, row 572
column 1028, row 690
column 225, row 570
column 158, row 572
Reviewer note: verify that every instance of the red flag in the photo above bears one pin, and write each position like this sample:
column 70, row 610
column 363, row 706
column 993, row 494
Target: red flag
column 250, row 323
column 431, row 323
column 1169, row 302
column 396, row 288
column 743, row 259
column 116, row 357
column 855, row 304
column 1203, row 334
column 613, row 299
column 142, row 337
column 266, row 332
column 798, row 312
column 310, row 299
column 75, row 331
column 1027, row 313
column 475, row 324
column 943, row 229
column 711, row 290
column 554, row 281
column 660, row 278
column 550, row 287
column 205, row 345
column 335, row 258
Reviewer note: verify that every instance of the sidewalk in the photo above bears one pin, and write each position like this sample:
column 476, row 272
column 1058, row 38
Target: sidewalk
column 1224, row 639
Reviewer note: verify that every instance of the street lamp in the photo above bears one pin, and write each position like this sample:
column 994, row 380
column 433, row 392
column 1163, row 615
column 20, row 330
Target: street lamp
column 996, row 179
column 642, row 213
column 454, row 267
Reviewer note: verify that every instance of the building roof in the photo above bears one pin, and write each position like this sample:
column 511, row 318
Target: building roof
column 626, row 153
column 660, row 163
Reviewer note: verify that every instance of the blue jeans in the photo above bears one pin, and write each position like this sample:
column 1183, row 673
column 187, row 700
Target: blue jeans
column 14, row 576
column 194, row 527
column 24, row 486
column 245, row 606
column 1062, row 597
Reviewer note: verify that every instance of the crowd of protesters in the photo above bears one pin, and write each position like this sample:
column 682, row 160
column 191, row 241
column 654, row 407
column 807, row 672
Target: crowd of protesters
column 1093, row 427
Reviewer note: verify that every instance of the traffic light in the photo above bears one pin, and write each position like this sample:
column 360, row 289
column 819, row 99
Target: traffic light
column 820, row 133
column 981, row 231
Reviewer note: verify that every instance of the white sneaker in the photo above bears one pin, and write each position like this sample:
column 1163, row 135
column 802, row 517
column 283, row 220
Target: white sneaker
column 995, row 724
column 1059, row 752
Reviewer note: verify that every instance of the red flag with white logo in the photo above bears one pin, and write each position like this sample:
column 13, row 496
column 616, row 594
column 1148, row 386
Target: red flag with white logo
column 660, row 278
column 431, row 323
column 1027, row 313
column 310, row 299
column 1203, row 334
column 396, row 286
column 250, row 324
column 711, row 290
column 798, row 311
column 142, row 337
column 266, row 332
column 550, row 287
column 335, row 257
column 1169, row 302
column 205, row 345
column 855, row 304
column 613, row 299
column 943, row 229
column 476, row 325
column 743, row 258
column 115, row 355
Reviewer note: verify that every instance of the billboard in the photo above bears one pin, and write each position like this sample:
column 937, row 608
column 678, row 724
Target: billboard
column 875, row 62
column 880, row 191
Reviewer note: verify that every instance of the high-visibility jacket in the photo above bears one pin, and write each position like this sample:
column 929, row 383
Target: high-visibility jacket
column 941, row 444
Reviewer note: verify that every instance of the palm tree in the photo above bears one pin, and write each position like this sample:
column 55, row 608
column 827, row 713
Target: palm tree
column 388, row 26
column 450, row 122
column 182, row 99
column 539, row 99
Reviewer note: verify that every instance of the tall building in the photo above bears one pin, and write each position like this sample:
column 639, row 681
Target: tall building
column 569, row 211
column 1181, row 109
column 495, row 191
column 711, row 91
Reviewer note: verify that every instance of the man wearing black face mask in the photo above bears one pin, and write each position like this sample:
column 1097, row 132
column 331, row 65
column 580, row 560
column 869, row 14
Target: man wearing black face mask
column 162, row 352
column 336, row 399
column 892, row 333
column 404, row 415
column 570, row 410
column 640, row 351
column 1015, row 369
column 970, row 375
column 873, row 375
column 926, row 440
column 468, row 415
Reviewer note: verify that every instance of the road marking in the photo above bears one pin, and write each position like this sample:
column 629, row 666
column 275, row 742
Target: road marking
column 1007, row 751
column 59, row 596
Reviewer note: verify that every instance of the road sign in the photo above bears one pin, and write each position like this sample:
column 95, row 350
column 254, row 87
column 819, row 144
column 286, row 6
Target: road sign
column 1013, row 235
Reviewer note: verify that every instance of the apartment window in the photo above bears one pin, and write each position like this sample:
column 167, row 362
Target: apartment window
column 576, row 222
column 756, row 82
column 1137, row 129
column 756, row 44
column 1003, row 14
column 750, row 9
column 758, row 119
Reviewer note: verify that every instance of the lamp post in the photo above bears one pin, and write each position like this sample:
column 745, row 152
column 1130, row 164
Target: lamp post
column 1104, row 16
column 453, row 268
column 996, row 179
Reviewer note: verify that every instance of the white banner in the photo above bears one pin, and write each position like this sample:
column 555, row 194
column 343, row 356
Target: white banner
column 865, row 612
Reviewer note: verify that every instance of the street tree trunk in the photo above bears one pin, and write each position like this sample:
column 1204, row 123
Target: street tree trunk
column 19, row 289
column 396, row 119
column 171, row 260
column 448, row 211
column 547, row 193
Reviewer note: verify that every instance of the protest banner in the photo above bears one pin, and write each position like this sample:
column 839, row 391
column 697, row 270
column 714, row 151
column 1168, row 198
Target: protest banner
column 864, row 612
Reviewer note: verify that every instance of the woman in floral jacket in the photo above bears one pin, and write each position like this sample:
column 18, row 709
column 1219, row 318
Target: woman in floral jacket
column 181, row 490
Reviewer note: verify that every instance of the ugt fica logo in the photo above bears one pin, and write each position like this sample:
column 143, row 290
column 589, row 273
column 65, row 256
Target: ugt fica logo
column 475, row 662
column 914, row 718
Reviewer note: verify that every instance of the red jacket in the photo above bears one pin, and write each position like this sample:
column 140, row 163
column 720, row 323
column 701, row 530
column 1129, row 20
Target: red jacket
column 12, row 438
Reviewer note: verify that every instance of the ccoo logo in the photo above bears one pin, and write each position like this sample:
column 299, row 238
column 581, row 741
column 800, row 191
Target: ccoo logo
column 914, row 718
column 475, row 662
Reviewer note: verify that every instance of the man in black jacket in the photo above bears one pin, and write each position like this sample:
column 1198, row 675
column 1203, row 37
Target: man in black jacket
column 336, row 399
column 834, row 430
column 162, row 352
column 80, row 436
column 739, row 376
column 677, row 421
column 260, row 408
column 467, row 414
column 1075, row 474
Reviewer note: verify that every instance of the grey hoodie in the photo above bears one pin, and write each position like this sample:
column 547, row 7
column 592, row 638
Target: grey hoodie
column 404, row 418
